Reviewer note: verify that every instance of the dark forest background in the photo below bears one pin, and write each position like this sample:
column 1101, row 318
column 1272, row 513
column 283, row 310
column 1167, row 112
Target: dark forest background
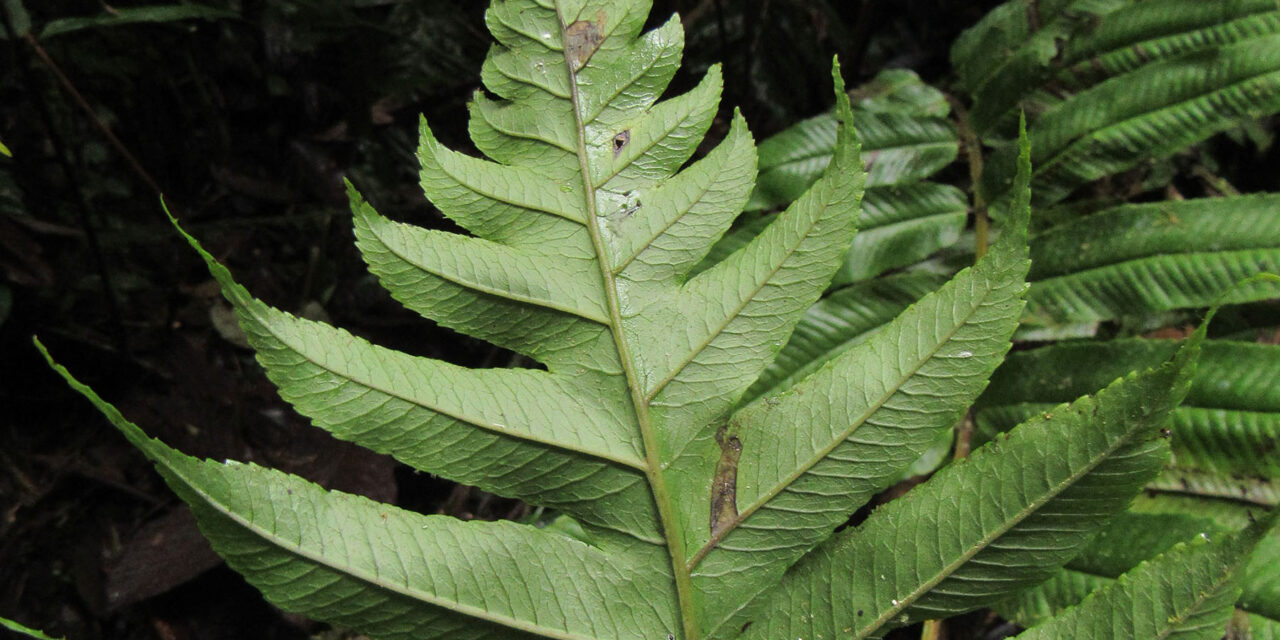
column 247, row 115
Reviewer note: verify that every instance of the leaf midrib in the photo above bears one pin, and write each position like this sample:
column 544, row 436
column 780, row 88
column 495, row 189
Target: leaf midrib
column 984, row 542
column 801, row 470
column 653, row 468
column 545, row 303
column 417, row 595
column 1113, row 580
column 745, row 300
column 493, row 428
column 670, row 223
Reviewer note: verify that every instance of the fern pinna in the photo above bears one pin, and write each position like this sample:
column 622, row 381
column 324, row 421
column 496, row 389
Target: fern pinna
column 682, row 511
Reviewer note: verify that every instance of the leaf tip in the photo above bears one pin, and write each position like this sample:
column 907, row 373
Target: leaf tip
column 131, row 431
column 715, row 75
column 1014, row 231
column 844, row 109
column 35, row 340
column 848, row 151
column 234, row 293
column 1021, row 210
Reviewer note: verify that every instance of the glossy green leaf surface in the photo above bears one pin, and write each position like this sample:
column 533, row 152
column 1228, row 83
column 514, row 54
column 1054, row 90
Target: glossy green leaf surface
column 1013, row 49
column 898, row 149
column 900, row 225
column 900, row 91
column 1141, row 33
column 1054, row 50
column 1111, row 127
column 1227, row 427
column 838, row 322
column 1045, row 487
column 1187, row 592
column 1155, row 525
column 1155, row 257
column 906, row 137
column 1111, row 84
column 904, row 132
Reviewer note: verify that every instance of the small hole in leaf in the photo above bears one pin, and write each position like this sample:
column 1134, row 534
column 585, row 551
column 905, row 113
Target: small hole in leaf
column 620, row 142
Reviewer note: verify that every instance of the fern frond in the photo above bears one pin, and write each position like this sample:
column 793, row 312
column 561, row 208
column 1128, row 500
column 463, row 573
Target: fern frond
column 1013, row 49
column 1146, row 258
column 1142, row 33
column 1059, row 49
column 1149, row 113
column 933, row 553
column 336, row 556
column 1227, row 427
column 902, row 126
column 1156, row 525
column 838, row 322
column 1188, row 592
column 906, row 138
column 849, row 428
column 702, row 419
column 585, row 226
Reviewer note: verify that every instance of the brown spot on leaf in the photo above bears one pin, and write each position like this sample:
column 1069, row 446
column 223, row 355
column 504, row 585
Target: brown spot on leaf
column 724, row 486
column 581, row 39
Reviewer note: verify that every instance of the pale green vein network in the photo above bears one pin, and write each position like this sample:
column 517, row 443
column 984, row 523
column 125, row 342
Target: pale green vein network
column 333, row 514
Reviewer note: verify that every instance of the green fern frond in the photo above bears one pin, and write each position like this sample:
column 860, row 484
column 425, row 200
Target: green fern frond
column 1057, row 49
column 702, row 419
column 838, row 322
column 1146, row 32
column 1155, row 525
column 1014, row 48
column 906, row 138
column 932, row 553
column 1187, row 592
column 1110, row 84
column 903, row 129
column 1227, row 427
column 1147, row 258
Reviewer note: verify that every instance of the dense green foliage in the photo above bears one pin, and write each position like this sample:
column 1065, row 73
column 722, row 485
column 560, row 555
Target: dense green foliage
column 720, row 394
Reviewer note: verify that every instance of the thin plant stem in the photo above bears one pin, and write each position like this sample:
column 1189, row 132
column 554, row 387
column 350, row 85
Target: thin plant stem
column 973, row 155
column 98, row 124
column 932, row 630
column 84, row 210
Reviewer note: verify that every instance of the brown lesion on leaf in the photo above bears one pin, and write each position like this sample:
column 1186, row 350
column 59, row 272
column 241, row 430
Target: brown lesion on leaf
column 581, row 39
column 620, row 142
column 724, row 485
